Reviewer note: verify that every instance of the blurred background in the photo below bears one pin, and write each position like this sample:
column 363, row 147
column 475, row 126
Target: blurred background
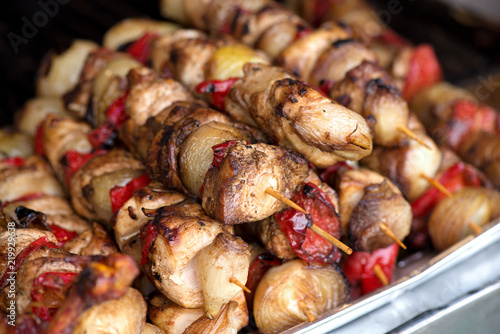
column 465, row 34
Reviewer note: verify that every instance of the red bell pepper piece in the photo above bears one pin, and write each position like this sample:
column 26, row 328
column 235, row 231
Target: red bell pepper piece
column 62, row 235
column 390, row 37
column 13, row 161
column 45, row 282
column 73, row 160
column 119, row 195
column 116, row 113
column 302, row 32
column 358, row 268
column 424, row 71
column 326, row 86
column 141, row 48
column 148, row 235
column 309, row 246
column 39, row 140
column 34, row 246
column 104, row 135
column 26, row 197
column 219, row 153
column 329, row 174
column 218, row 89
column 259, row 266
column 454, row 178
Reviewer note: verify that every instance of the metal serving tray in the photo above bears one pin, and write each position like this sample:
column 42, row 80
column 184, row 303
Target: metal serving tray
column 456, row 291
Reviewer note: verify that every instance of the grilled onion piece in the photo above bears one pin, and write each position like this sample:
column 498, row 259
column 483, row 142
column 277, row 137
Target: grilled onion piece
column 131, row 29
column 60, row 73
column 196, row 153
column 215, row 273
column 276, row 304
column 125, row 315
column 449, row 221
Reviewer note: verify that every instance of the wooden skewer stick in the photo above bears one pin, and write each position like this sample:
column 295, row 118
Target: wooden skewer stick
column 307, row 312
column 318, row 230
column 475, row 228
column 412, row 135
column 436, row 184
column 279, row 197
column 377, row 270
column 387, row 231
column 313, row 227
column 234, row 280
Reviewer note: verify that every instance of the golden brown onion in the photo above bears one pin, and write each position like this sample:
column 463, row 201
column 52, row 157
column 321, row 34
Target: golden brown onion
column 60, row 73
column 276, row 304
column 196, row 153
column 125, row 315
column 222, row 323
column 102, row 184
column 15, row 144
column 226, row 258
column 131, row 29
column 449, row 222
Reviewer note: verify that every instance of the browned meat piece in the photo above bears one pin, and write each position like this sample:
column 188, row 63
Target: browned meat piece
column 180, row 155
column 93, row 241
column 57, row 211
column 171, row 317
column 379, row 204
column 149, row 94
column 37, row 263
column 258, row 78
column 297, row 116
column 23, row 238
column 62, row 134
column 301, row 63
column 235, row 192
column 482, row 149
column 274, row 239
column 104, row 280
column 249, row 26
column 174, row 319
column 338, row 59
column 351, row 90
column 129, row 220
column 162, row 47
column 33, row 177
column 404, row 166
column 183, row 230
column 276, row 304
column 189, row 58
column 88, row 195
column 351, row 186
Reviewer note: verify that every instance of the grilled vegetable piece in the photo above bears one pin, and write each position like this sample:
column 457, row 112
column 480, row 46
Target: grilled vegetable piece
column 277, row 299
column 449, row 222
column 59, row 73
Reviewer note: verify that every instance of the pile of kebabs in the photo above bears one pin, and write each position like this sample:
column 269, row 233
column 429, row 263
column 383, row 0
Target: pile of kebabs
column 185, row 181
